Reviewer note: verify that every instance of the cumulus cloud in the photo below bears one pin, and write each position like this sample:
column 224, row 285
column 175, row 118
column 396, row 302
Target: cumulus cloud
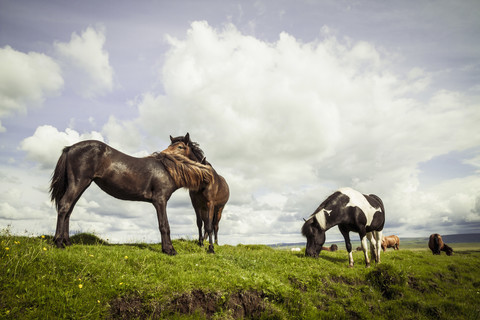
column 286, row 123
column 26, row 79
column 88, row 61
column 46, row 144
column 288, row 115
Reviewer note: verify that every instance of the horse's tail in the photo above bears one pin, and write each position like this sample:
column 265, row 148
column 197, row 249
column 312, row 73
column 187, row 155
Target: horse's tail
column 59, row 182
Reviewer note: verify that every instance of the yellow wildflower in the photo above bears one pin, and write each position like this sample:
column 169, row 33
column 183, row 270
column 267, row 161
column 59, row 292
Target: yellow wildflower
column 80, row 286
column 43, row 237
column 7, row 248
column 44, row 249
column 126, row 257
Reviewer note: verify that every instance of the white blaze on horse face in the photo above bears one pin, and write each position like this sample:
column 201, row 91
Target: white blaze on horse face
column 358, row 200
column 321, row 219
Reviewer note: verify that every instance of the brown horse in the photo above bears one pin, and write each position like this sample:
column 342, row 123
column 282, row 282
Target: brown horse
column 208, row 201
column 332, row 248
column 150, row 179
column 390, row 242
column 436, row 244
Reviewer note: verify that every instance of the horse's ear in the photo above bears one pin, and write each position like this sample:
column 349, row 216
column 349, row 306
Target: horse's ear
column 304, row 219
column 171, row 138
column 187, row 138
column 204, row 161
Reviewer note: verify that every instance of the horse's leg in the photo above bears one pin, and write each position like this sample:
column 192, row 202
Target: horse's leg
column 209, row 225
column 199, row 225
column 378, row 240
column 365, row 247
column 161, row 207
column 348, row 245
column 65, row 208
column 375, row 245
column 218, row 216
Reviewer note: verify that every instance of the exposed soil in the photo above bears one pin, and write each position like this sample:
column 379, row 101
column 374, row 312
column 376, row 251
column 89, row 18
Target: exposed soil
column 239, row 305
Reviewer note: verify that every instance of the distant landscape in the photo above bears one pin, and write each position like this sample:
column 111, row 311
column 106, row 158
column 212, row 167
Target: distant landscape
column 412, row 243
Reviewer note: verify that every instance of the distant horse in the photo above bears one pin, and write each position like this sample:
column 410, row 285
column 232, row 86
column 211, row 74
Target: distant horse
column 332, row 248
column 351, row 211
column 390, row 242
column 436, row 244
column 209, row 200
column 150, row 179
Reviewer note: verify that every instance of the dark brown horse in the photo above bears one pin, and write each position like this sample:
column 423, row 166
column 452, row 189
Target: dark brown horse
column 150, row 179
column 436, row 244
column 208, row 201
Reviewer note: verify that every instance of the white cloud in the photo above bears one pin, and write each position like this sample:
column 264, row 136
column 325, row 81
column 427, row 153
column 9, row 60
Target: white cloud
column 286, row 123
column 88, row 62
column 287, row 114
column 46, row 144
column 26, row 79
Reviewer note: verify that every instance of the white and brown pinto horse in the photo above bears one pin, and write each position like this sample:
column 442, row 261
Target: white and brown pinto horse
column 436, row 244
column 392, row 241
column 351, row 211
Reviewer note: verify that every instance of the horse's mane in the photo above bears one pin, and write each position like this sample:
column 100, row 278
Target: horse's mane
column 194, row 146
column 185, row 172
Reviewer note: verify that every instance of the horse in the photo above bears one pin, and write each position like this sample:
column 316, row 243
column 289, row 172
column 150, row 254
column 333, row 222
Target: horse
column 436, row 244
column 332, row 248
column 150, row 179
column 390, row 242
column 209, row 200
column 351, row 211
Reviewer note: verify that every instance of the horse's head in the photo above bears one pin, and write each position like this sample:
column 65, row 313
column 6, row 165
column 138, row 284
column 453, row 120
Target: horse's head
column 448, row 250
column 315, row 237
column 180, row 148
column 183, row 146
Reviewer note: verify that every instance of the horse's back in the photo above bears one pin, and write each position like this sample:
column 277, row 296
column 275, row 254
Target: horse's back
column 223, row 191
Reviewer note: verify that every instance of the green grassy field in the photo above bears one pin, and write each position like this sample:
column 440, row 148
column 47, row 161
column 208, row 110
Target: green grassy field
column 137, row 281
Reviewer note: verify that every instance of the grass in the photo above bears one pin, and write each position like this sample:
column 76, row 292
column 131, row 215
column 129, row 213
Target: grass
column 94, row 280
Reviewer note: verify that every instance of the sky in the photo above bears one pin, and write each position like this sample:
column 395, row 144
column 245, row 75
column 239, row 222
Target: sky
column 289, row 100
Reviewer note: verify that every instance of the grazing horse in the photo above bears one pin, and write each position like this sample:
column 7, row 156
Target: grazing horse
column 150, row 179
column 209, row 200
column 436, row 244
column 390, row 242
column 351, row 211
column 332, row 248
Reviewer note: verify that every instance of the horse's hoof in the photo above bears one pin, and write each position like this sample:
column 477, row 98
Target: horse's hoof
column 350, row 265
column 59, row 244
column 170, row 252
column 367, row 265
column 210, row 250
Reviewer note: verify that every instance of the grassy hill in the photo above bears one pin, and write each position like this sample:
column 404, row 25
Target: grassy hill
column 94, row 280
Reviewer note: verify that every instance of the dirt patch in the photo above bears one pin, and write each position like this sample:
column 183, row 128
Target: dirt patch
column 195, row 301
column 246, row 304
column 129, row 307
column 238, row 305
